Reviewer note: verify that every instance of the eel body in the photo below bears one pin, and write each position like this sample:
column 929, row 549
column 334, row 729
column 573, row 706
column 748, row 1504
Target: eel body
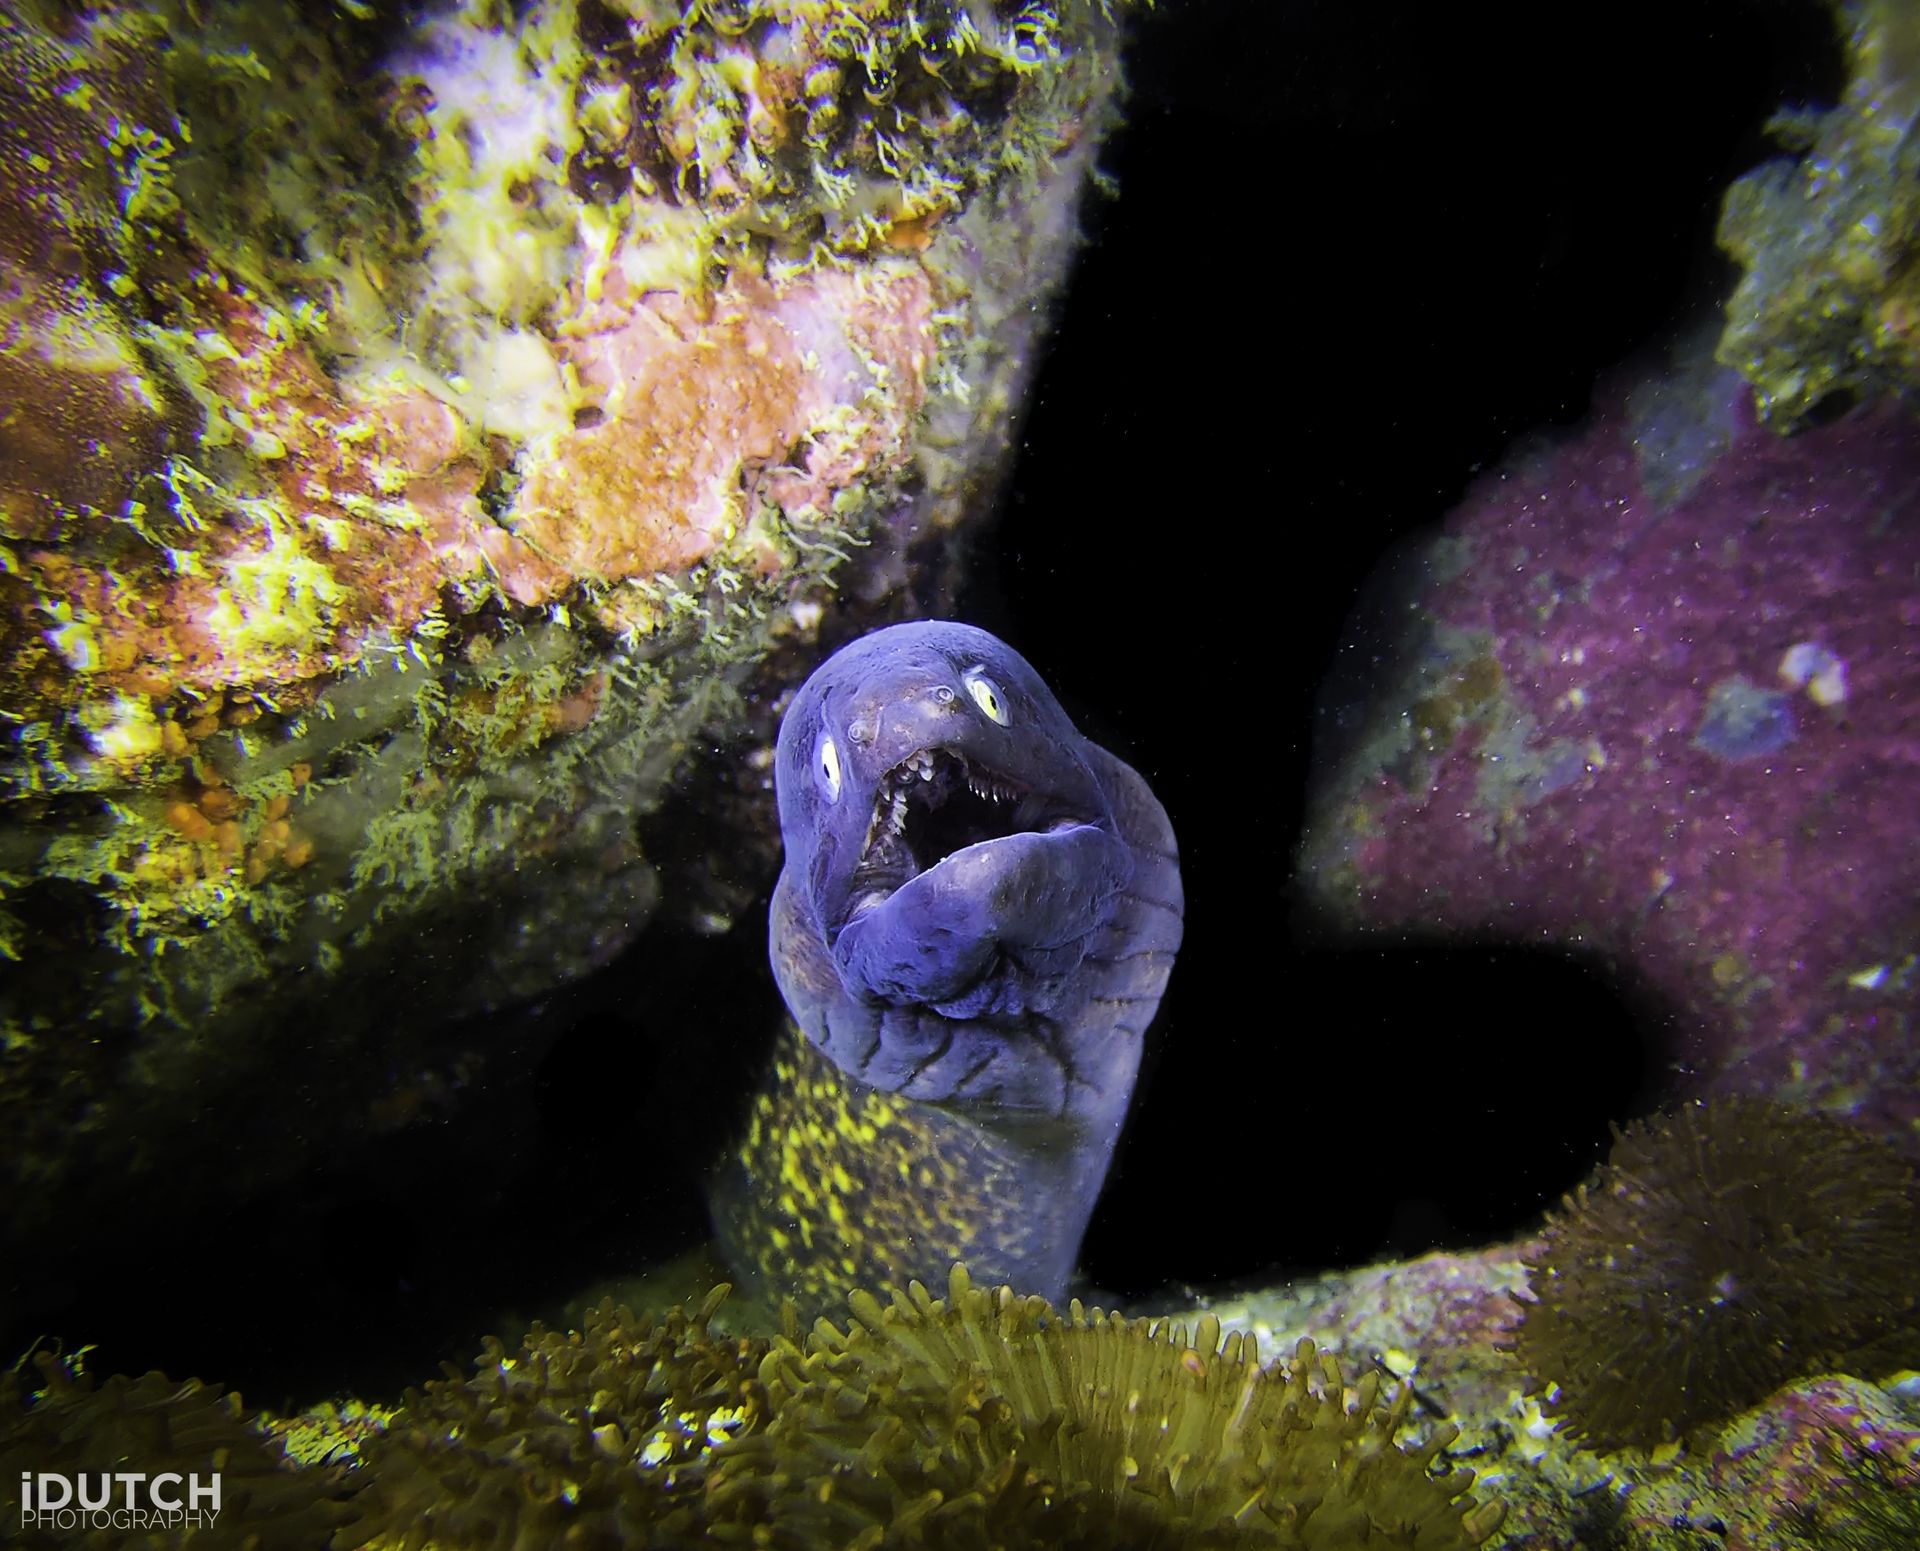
column 972, row 930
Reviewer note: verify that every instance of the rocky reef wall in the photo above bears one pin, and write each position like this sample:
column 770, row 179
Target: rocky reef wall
column 419, row 438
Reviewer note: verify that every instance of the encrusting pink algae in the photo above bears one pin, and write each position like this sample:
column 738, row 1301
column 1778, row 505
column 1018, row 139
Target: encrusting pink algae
column 1679, row 733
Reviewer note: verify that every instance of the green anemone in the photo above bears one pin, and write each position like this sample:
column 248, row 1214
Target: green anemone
column 1723, row 1251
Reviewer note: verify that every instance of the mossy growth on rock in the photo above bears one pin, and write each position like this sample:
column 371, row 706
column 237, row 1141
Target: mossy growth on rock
column 1827, row 313
column 1722, row 1251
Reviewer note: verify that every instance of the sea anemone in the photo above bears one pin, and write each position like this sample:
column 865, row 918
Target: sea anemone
column 590, row 1437
column 984, row 1419
column 68, row 1425
column 1722, row 1251
column 988, row 1419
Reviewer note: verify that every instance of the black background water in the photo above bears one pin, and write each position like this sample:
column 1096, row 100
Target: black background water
column 1356, row 251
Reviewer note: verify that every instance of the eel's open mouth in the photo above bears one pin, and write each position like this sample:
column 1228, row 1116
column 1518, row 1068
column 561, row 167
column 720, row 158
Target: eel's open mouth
column 932, row 804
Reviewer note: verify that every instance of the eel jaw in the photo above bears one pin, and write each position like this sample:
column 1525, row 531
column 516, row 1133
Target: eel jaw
column 936, row 802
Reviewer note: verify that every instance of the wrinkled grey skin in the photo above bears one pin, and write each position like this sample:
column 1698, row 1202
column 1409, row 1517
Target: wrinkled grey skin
column 1011, row 980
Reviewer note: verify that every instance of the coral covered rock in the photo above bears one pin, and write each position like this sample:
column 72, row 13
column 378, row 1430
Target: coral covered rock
column 1828, row 312
column 1828, row 1461
column 1653, row 697
column 418, row 435
column 1830, row 1465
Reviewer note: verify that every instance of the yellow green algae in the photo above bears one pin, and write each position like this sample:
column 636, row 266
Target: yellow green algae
column 1828, row 311
column 417, row 434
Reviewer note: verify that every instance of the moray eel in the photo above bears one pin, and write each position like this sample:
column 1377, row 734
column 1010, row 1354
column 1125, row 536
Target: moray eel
column 976, row 917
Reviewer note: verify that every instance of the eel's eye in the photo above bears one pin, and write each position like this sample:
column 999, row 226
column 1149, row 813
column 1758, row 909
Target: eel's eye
column 986, row 695
column 826, row 766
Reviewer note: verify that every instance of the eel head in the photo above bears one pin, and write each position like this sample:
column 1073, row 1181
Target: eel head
column 953, row 855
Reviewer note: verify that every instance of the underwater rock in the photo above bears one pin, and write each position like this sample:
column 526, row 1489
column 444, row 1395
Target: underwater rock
column 1817, row 1460
column 1434, row 1318
column 1683, row 735
column 430, row 432
column 1833, row 1463
column 1828, row 311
